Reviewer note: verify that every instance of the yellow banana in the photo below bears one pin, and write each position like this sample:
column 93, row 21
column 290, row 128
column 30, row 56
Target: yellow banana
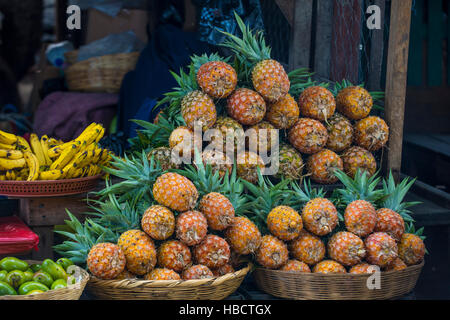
column 50, row 175
column 22, row 144
column 37, row 148
column 92, row 135
column 100, row 135
column 7, row 138
column 78, row 173
column 6, row 164
column 11, row 154
column 8, row 146
column 9, row 175
column 44, row 147
column 24, row 172
column 2, row 177
column 86, row 132
column 65, row 157
column 33, row 165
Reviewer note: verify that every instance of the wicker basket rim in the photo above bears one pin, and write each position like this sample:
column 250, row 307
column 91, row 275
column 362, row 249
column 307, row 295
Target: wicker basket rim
column 44, row 182
column 78, row 64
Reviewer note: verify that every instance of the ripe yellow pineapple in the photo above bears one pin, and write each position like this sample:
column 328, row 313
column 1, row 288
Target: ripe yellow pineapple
column 243, row 236
column 346, row 248
column 191, row 227
column 162, row 274
column 355, row 158
column 381, row 249
column 175, row 191
column 261, row 141
column 217, row 79
column 322, row 165
column 411, row 249
column 246, row 106
column 139, row 250
column 308, row 135
column 223, row 270
column 212, row 252
column 218, row 160
column 340, row 133
column 317, row 102
column 247, row 164
column 284, row 113
column 158, row 222
column 320, row 216
column 272, row 253
column 106, row 260
column 362, row 268
column 198, row 108
column 163, row 155
column 290, row 163
column 197, row 272
column 232, row 129
column 284, row 222
column 390, row 222
column 307, row 248
column 218, row 210
column 174, row 255
column 371, row 133
column 329, row 266
column 125, row 274
column 360, row 217
column 396, row 265
column 354, row 102
column 182, row 139
column 295, row 266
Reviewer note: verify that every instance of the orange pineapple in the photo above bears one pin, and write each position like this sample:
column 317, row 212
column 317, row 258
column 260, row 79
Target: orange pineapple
column 125, row 274
column 317, row 103
column 218, row 160
column 290, row 163
column 322, row 165
column 198, row 108
column 231, row 130
column 212, row 252
column 346, row 248
column 362, row 268
column 411, row 249
column 243, row 236
column 284, row 113
column 258, row 141
column 191, row 227
column 247, row 164
column 340, row 133
column 139, row 250
column 381, row 249
column 307, row 248
column 308, row 135
column 246, row 106
column 158, row 222
column 396, row 265
column 175, row 191
column 284, row 222
column 162, row 274
column 295, row 266
column 355, row 158
column 360, row 217
column 320, row 216
column 354, row 102
column 163, row 155
column 182, row 138
column 223, row 270
column 174, row 255
column 329, row 266
column 218, row 210
column 390, row 222
column 217, row 79
column 371, row 133
column 106, row 260
column 273, row 253
column 197, row 272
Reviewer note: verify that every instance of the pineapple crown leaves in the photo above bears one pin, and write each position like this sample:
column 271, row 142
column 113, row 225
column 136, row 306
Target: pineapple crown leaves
column 300, row 79
column 252, row 46
column 361, row 187
column 198, row 61
column 233, row 189
column 410, row 228
column 306, row 194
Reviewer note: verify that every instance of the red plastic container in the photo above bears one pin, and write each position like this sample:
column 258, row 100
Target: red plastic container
column 16, row 237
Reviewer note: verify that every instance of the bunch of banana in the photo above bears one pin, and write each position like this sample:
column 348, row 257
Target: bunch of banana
column 51, row 159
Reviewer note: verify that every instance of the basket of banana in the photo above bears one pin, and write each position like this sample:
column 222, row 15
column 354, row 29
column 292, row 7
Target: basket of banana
column 47, row 167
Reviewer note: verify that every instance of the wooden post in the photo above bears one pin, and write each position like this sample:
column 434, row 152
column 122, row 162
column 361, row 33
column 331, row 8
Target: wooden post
column 397, row 67
column 377, row 51
column 300, row 42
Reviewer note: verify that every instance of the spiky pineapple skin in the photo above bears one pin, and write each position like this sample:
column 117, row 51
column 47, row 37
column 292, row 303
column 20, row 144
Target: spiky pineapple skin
column 212, row 252
column 396, row 265
column 270, row 80
column 307, row 248
column 182, row 142
column 163, row 156
column 272, row 253
column 354, row 102
column 175, row 192
column 243, row 236
column 381, row 249
column 218, row 160
column 162, row 274
column 390, row 222
column 125, row 274
column 139, row 250
column 411, row 249
column 232, row 129
column 191, row 227
column 296, row 266
column 346, row 248
column 284, row 222
column 158, row 222
column 223, row 270
column 371, row 133
column 290, row 163
column 355, row 158
column 218, row 210
column 260, row 141
column 329, row 266
column 197, row 106
column 308, row 135
column 361, row 268
column 246, row 106
column 197, row 272
column 284, row 113
column 217, row 79
column 340, row 133
column 360, row 218
column 247, row 164
column 321, row 166
column 320, row 216
column 317, row 103
column 174, row 255
column 106, row 260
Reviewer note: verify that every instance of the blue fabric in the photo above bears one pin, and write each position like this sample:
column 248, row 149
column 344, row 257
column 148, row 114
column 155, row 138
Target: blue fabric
column 169, row 48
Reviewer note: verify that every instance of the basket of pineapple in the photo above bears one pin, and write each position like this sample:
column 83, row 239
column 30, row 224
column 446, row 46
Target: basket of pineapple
column 46, row 166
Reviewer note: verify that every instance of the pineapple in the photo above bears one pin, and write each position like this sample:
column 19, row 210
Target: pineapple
column 355, row 158
column 354, row 102
column 371, row 133
column 308, row 136
column 360, row 217
column 284, row 113
column 322, row 165
column 212, row 252
column 390, row 222
column 232, row 129
column 329, row 266
column 218, row 210
column 396, row 265
column 223, row 270
column 198, row 108
column 381, row 249
column 174, row 255
column 243, row 236
column 246, row 106
column 258, row 141
column 340, row 133
column 290, row 163
column 175, row 191
column 273, row 253
column 216, row 78
column 362, row 268
column 284, row 222
column 320, row 216
column 125, row 275
column 307, row 248
column 139, row 250
column 162, row 274
column 346, row 248
column 247, row 166
column 181, row 139
column 163, row 155
column 295, row 266
column 106, row 260
column 411, row 249
column 218, row 160
column 317, row 103
column 197, row 272
column 191, row 227
column 158, row 222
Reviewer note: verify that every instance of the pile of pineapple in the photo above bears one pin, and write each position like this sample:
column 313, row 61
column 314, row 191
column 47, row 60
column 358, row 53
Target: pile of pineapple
column 51, row 159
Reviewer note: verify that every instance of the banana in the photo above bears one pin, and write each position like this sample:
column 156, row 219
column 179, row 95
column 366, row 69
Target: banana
column 50, row 175
column 7, row 138
column 44, row 146
column 24, row 172
column 2, row 177
column 65, row 157
column 92, row 135
column 11, row 154
column 22, row 144
column 8, row 146
column 6, row 164
column 100, row 135
column 9, row 175
column 33, row 165
column 86, row 132
column 37, row 148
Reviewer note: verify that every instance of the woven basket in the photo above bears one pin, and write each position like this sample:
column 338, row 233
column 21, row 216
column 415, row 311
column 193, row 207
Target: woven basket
column 99, row 74
column 204, row 289
column 71, row 292
column 315, row 286
column 48, row 188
